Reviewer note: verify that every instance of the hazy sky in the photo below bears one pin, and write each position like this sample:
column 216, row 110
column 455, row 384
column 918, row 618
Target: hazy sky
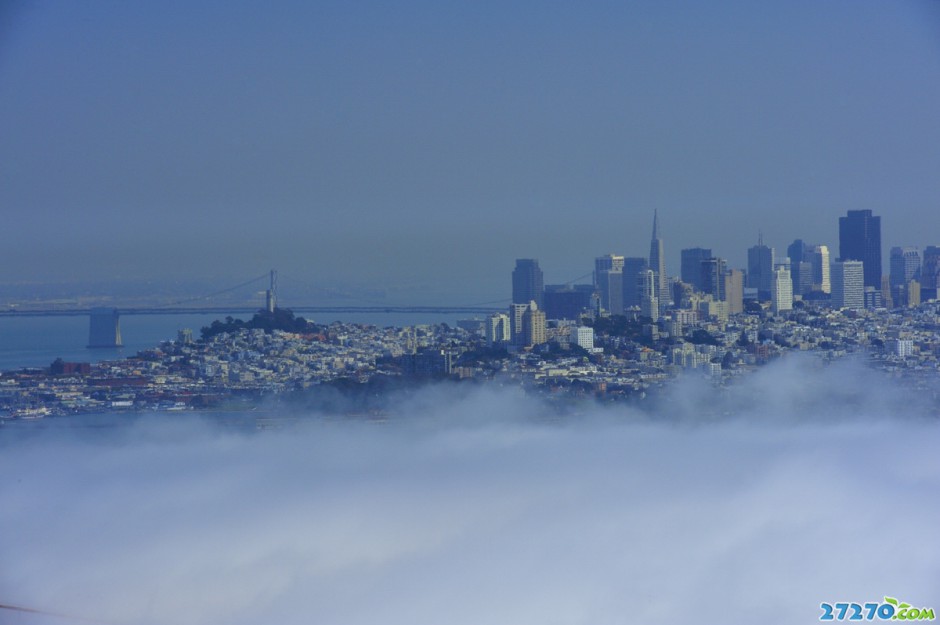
column 469, row 507
column 430, row 144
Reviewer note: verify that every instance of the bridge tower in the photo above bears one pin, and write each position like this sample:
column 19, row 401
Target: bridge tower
column 271, row 295
column 105, row 328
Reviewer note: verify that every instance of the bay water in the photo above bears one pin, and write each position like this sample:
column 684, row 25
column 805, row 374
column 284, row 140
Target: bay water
column 37, row 341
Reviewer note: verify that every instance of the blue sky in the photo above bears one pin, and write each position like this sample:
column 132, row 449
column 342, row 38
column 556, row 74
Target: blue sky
column 424, row 146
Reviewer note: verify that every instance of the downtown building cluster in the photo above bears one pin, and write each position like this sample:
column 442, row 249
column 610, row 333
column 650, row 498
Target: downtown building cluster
column 639, row 288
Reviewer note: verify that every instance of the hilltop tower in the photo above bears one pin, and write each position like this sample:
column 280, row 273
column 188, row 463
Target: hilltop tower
column 270, row 300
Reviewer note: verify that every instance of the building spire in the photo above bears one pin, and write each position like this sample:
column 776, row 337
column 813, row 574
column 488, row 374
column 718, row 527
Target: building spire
column 655, row 224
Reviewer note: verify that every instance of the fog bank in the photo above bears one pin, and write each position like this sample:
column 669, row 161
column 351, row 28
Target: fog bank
column 475, row 508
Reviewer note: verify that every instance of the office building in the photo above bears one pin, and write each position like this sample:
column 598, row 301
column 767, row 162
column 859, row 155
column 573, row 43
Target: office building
column 517, row 323
column 734, row 291
column 781, row 295
column 632, row 267
column 930, row 272
column 683, row 295
column 608, row 278
column 819, row 258
column 873, row 299
column 608, row 262
column 913, row 293
column 527, row 324
column 760, row 269
column 802, row 268
column 712, row 278
column 886, row 297
column 899, row 348
column 711, row 309
column 860, row 239
column 691, row 267
column 649, row 299
column 566, row 301
column 904, row 270
column 904, row 265
column 848, row 284
column 582, row 336
column 498, row 330
column 527, row 282
column 533, row 322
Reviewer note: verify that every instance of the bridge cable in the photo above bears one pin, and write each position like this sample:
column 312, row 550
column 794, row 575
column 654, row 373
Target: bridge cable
column 210, row 295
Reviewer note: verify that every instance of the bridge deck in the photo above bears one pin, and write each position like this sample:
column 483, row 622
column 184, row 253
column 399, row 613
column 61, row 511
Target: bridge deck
column 229, row 310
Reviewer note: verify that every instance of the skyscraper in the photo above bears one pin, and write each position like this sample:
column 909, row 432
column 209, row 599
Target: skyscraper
column 691, row 267
column 760, row 268
column 781, row 296
column 533, row 323
column 631, row 272
column 498, row 329
column 904, row 265
column 608, row 278
column 517, row 323
column 848, row 284
column 930, row 272
column 608, row 262
column 819, row 259
column 734, row 291
column 566, row 301
column 712, row 278
column 658, row 264
column 860, row 239
column 801, row 268
column 527, row 282
column 649, row 300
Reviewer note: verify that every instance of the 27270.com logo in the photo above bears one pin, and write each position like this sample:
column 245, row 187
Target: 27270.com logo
column 889, row 610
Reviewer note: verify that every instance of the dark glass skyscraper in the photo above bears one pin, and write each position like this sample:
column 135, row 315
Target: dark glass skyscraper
column 632, row 267
column 527, row 282
column 860, row 239
column 760, row 269
column 691, row 268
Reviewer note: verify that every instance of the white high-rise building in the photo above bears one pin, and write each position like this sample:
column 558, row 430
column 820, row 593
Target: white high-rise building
column 582, row 336
column 649, row 301
column 498, row 329
column 819, row 257
column 848, row 284
column 781, row 292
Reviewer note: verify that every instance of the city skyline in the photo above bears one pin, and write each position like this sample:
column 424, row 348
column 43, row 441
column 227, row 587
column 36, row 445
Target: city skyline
column 361, row 144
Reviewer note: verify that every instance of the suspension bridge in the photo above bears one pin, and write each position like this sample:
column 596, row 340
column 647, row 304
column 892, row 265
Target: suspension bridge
column 104, row 328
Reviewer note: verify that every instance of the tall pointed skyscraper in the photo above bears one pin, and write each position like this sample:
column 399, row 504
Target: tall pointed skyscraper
column 658, row 264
